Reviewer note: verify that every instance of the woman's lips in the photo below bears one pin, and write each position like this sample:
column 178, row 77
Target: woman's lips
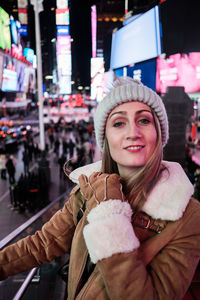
column 134, row 148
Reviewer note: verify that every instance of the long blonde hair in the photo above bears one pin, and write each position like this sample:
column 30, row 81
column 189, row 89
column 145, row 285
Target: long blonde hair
column 139, row 184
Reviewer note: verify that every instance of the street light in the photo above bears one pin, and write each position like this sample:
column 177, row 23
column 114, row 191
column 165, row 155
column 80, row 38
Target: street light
column 38, row 8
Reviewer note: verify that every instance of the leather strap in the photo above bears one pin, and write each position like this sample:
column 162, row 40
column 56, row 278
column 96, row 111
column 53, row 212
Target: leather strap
column 144, row 221
column 139, row 219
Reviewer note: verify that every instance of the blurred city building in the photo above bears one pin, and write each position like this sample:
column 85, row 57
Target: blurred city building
column 178, row 25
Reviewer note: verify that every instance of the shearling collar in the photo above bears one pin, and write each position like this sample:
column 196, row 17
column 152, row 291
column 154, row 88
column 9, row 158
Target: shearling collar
column 169, row 197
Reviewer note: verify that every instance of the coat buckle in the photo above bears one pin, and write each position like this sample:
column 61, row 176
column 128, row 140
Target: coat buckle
column 148, row 224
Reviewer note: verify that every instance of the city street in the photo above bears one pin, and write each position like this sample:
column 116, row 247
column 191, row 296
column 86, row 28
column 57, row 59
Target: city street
column 11, row 218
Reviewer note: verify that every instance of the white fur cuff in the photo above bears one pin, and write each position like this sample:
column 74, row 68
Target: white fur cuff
column 110, row 236
column 107, row 208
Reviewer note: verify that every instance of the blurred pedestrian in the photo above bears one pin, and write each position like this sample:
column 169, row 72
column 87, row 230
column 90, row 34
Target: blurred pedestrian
column 80, row 152
column 26, row 161
column 10, row 166
column 71, row 147
column 86, row 146
column 64, row 146
column 51, row 136
column 61, row 162
column 56, row 146
column 36, row 151
column 198, row 124
column 3, row 166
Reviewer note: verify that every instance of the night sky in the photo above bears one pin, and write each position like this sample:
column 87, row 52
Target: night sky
column 81, row 33
column 181, row 26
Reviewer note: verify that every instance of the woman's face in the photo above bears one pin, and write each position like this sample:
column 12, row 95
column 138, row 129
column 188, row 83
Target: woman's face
column 131, row 135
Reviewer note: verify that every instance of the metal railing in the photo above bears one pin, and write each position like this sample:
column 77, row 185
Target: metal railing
column 31, row 277
column 25, row 284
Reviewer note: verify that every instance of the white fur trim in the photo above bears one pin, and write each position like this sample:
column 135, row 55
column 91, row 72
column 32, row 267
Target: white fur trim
column 86, row 170
column 111, row 207
column 170, row 196
column 109, row 236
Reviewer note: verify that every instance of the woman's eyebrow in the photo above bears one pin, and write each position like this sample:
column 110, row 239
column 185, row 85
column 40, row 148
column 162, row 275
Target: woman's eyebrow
column 124, row 112
column 143, row 110
column 116, row 113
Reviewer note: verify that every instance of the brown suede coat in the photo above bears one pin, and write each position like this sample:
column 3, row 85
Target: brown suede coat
column 161, row 268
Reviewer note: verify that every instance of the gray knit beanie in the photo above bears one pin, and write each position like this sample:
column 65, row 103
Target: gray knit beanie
column 126, row 89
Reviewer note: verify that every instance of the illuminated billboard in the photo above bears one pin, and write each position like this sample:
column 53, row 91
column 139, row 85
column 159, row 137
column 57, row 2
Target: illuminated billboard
column 16, row 76
column 64, row 65
column 21, row 77
column 29, row 54
column 22, row 11
column 23, row 30
column 22, row 3
column 144, row 72
column 65, row 85
column 29, row 82
column 9, row 78
column 137, row 41
column 97, row 84
column 1, row 69
column 9, row 82
column 64, row 45
column 62, row 3
column 179, row 70
column 22, row 15
column 94, row 30
column 14, row 33
column 62, row 16
column 5, row 38
column 62, row 30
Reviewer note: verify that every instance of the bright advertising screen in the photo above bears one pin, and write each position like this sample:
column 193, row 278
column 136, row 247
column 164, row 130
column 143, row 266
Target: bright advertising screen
column 1, row 69
column 21, row 77
column 29, row 81
column 179, row 70
column 97, row 71
column 62, row 3
column 14, row 33
column 29, row 54
column 94, row 29
column 64, row 63
column 62, row 16
column 5, row 38
column 137, row 41
column 64, row 58
column 9, row 80
column 144, row 72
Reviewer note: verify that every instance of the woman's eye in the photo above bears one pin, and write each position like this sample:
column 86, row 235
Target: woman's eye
column 144, row 121
column 118, row 124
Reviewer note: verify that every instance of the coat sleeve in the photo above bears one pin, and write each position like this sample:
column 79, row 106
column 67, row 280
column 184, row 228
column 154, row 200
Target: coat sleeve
column 53, row 240
column 167, row 276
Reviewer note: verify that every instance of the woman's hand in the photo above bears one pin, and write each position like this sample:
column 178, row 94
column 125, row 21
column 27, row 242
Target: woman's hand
column 109, row 229
column 100, row 187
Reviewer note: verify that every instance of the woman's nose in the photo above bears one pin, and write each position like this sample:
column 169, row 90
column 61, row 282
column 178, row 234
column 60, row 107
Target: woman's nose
column 133, row 132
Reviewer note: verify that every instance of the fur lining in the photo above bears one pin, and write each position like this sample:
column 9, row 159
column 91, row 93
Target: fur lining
column 86, row 170
column 111, row 207
column 109, row 236
column 169, row 197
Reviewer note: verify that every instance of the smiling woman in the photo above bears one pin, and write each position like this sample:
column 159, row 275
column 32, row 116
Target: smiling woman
column 139, row 234
column 131, row 135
